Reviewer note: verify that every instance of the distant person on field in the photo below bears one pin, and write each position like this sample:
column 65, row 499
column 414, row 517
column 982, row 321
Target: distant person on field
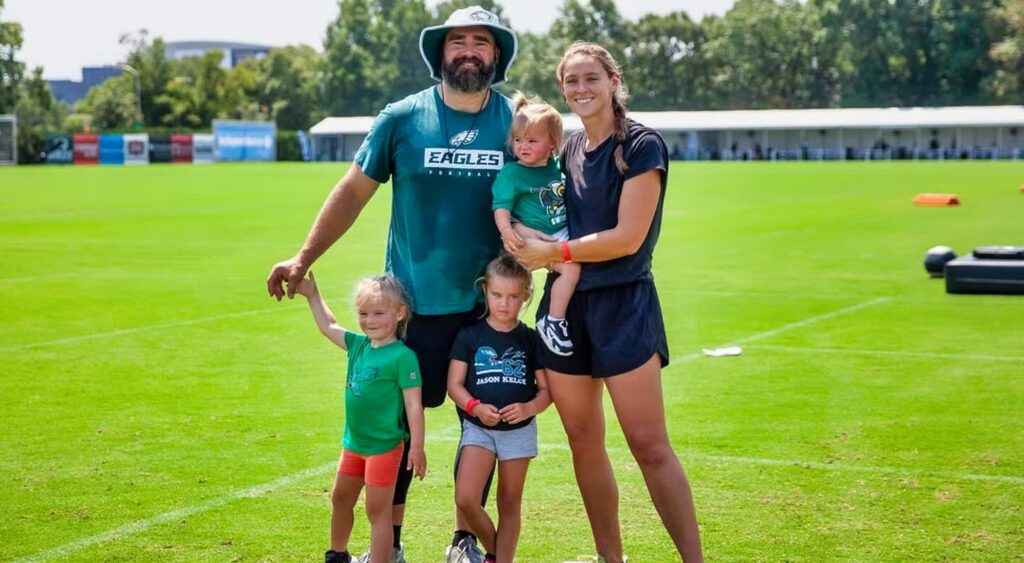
column 494, row 378
column 531, row 191
column 441, row 148
column 382, row 391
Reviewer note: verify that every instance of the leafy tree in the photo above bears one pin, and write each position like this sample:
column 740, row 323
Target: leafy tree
column 597, row 21
column 111, row 105
column 156, row 71
column 1006, row 83
column 203, row 91
column 372, row 55
column 666, row 64
column 11, row 70
column 38, row 113
column 286, row 86
column 766, row 54
column 534, row 69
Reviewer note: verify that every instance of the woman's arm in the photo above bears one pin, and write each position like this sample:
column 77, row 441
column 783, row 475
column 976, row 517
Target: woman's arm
column 413, row 397
column 322, row 314
column 637, row 206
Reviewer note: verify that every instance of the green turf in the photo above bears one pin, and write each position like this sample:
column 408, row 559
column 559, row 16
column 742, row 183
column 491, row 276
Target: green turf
column 144, row 370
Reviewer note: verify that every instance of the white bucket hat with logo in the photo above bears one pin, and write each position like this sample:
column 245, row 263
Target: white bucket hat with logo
column 432, row 39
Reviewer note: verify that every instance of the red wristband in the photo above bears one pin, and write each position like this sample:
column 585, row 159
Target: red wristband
column 471, row 404
column 566, row 255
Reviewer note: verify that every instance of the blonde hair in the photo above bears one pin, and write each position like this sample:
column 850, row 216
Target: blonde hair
column 619, row 97
column 506, row 266
column 527, row 112
column 385, row 287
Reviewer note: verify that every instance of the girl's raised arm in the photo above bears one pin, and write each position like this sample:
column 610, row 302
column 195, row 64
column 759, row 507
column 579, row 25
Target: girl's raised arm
column 322, row 314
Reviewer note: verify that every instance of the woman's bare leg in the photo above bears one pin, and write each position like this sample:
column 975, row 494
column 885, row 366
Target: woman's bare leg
column 640, row 408
column 578, row 400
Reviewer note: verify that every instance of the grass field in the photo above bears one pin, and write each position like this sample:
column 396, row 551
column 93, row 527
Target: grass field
column 156, row 404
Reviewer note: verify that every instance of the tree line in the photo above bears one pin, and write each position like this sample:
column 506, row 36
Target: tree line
column 760, row 54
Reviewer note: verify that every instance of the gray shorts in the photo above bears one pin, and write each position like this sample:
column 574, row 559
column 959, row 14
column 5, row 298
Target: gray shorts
column 505, row 444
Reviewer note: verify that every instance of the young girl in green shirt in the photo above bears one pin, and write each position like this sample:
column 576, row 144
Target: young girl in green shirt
column 382, row 390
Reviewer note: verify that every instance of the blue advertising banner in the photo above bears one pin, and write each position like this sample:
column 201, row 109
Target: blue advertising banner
column 245, row 140
column 111, row 149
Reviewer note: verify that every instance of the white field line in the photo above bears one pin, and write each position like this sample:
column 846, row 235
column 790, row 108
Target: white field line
column 447, row 435
column 136, row 330
column 792, row 326
column 895, row 353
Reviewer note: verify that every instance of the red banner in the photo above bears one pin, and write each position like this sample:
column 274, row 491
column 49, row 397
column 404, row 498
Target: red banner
column 181, row 148
column 87, row 148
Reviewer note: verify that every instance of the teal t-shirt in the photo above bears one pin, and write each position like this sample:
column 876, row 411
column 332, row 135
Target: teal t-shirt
column 374, row 401
column 441, row 163
column 534, row 194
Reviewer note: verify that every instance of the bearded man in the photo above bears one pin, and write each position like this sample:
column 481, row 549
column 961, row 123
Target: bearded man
column 441, row 148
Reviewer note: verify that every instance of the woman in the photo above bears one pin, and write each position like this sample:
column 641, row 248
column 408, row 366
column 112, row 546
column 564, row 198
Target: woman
column 615, row 176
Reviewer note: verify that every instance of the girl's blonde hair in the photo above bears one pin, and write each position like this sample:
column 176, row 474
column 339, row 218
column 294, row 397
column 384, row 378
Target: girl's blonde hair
column 619, row 97
column 385, row 287
column 527, row 112
column 505, row 266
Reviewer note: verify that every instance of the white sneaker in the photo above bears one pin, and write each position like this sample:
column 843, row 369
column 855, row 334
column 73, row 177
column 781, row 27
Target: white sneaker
column 555, row 334
column 397, row 555
column 466, row 551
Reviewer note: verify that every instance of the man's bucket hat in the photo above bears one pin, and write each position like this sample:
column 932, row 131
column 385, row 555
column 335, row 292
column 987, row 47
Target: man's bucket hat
column 432, row 39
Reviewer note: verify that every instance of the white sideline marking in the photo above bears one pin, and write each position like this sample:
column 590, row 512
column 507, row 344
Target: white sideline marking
column 136, row 330
column 861, row 352
column 791, row 326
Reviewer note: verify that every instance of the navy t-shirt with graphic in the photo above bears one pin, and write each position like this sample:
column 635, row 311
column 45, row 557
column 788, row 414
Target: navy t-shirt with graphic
column 593, row 188
column 501, row 367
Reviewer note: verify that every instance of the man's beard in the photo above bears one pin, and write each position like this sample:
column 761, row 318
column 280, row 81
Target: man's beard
column 467, row 79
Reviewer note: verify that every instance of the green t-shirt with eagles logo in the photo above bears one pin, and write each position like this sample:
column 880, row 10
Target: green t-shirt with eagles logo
column 374, row 401
column 441, row 163
column 534, row 194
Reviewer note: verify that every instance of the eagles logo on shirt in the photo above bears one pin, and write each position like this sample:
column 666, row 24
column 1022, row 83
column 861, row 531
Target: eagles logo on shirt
column 464, row 138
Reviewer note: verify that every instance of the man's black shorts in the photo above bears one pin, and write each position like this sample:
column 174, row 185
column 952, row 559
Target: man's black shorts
column 613, row 330
column 431, row 337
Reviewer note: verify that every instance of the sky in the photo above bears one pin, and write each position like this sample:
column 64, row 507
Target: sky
column 62, row 36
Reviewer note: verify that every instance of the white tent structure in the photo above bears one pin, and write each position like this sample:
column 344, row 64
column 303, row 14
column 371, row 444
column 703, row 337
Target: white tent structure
column 804, row 134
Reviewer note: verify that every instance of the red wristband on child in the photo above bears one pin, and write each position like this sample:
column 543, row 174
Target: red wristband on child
column 471, row 404
column 566, row 256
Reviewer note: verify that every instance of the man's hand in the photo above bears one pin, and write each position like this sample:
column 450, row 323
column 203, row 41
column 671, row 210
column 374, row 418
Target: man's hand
column 488, row 414
column 516, row 413
column 289, row 272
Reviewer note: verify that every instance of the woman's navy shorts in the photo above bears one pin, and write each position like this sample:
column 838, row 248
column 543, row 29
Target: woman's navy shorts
column 613, row 329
